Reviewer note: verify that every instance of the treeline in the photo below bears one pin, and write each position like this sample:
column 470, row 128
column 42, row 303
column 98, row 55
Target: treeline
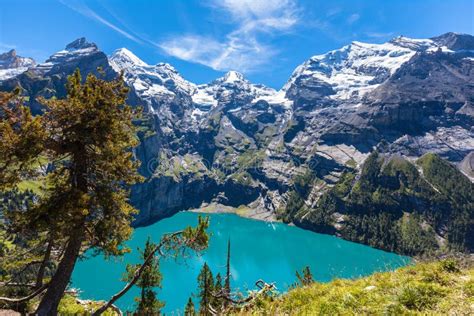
column 390, row 205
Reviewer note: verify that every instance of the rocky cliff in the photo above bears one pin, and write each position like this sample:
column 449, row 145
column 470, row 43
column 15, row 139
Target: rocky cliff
column 233, row 142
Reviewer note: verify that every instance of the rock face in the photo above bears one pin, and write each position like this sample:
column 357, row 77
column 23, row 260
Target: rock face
column 237, row 143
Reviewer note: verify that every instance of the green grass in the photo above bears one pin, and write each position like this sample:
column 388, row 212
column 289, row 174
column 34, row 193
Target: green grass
column 37, row 183
column 440, row 288
column 69, row 305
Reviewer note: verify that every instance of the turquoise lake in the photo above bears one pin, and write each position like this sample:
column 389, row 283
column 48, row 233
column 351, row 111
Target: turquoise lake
column 260, row 250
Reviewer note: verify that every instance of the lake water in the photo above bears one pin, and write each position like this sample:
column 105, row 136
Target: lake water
column 259, row 250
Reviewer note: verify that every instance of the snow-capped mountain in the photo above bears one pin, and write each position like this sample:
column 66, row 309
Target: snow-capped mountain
column 75, row 52
column 162, row 81
column 352, row 71
column 12, row 65
column 48, row 79
column 238, row 143
column 153, row 83
column 230, row 86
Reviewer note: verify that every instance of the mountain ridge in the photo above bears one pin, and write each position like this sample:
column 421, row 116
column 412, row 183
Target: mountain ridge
column 232, row 142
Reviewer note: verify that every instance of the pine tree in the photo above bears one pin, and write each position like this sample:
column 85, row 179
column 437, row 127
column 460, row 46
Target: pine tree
column 218, row 300
column 87, row 137
column 148, row 304
column 206, row 288
column 190, row 310
column 227, row 289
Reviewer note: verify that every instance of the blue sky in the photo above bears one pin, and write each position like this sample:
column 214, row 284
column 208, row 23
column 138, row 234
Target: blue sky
column 264, row 39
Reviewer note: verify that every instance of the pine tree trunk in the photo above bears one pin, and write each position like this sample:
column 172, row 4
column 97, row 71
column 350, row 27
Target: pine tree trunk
column 44, row 263
column 50, row 301
column 227, row 275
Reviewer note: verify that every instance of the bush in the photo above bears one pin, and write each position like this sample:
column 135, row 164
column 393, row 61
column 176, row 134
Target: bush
column 449, row 265
column 419, row 296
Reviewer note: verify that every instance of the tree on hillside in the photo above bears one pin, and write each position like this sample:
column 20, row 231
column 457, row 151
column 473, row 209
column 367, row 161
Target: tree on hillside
column 218, row 299
column 227, row 287
column 189, row 310
column 148, row 303
column 206, row 288
column 87, row 138
column 171, row 245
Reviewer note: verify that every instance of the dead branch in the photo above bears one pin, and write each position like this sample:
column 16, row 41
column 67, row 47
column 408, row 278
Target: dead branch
column 26, row 298
column 262, row 285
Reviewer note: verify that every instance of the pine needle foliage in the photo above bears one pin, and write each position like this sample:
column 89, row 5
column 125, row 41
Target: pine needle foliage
column 88, row 139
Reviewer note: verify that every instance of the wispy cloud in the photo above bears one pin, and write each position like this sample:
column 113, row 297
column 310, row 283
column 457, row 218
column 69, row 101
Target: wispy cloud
column 378, row 35
column 353, row 18
column 81, row 8
column 243, row 48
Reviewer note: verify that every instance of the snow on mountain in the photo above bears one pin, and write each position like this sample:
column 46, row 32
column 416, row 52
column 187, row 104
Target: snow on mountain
column 232, row 84
column 74, row 51
column 160, row 81
column 204, row 98
column 359, row 67
column 233, row 77
column 123, row 59
column 413, row 43
column 12, row 65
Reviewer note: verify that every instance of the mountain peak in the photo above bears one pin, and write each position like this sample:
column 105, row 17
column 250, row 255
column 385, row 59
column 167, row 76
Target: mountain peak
column 10, row 54
column 455, row 41
column 411, row 43
column 233, row 76
column 12, row 64
column 167, row 67
column 80, row 43
column 123, row 58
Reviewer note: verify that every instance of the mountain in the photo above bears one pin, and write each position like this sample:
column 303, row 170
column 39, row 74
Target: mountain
column 299, row 153
column 48, row 79
column 12, row 65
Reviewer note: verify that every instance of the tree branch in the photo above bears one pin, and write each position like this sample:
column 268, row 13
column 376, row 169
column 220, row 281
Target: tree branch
column 26, row 298
column 137, row 273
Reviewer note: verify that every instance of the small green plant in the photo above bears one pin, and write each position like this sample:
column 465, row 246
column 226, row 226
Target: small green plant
column 449, row 265
column 419, row 296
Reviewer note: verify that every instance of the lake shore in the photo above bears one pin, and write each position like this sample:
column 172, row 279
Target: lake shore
column 242, row 211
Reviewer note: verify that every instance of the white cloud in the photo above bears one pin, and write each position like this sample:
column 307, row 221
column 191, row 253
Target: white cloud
column 234, row 53
column 84, row 10
column 353, row 18
column 278, row 14
column 243, row 48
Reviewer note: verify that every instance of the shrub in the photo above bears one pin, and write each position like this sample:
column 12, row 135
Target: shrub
column 419, row 296
column 449, row 265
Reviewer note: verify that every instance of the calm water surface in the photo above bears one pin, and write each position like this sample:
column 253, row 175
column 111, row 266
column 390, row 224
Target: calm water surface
column 260, row 250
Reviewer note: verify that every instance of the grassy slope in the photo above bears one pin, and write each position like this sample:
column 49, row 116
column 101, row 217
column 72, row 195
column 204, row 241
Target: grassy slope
column 421, row 289
column 69, row 305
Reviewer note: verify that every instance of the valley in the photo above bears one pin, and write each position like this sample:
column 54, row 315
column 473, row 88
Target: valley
column 298, row 154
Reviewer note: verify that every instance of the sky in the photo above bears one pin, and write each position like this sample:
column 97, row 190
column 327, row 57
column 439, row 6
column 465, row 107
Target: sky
column 263, row 39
